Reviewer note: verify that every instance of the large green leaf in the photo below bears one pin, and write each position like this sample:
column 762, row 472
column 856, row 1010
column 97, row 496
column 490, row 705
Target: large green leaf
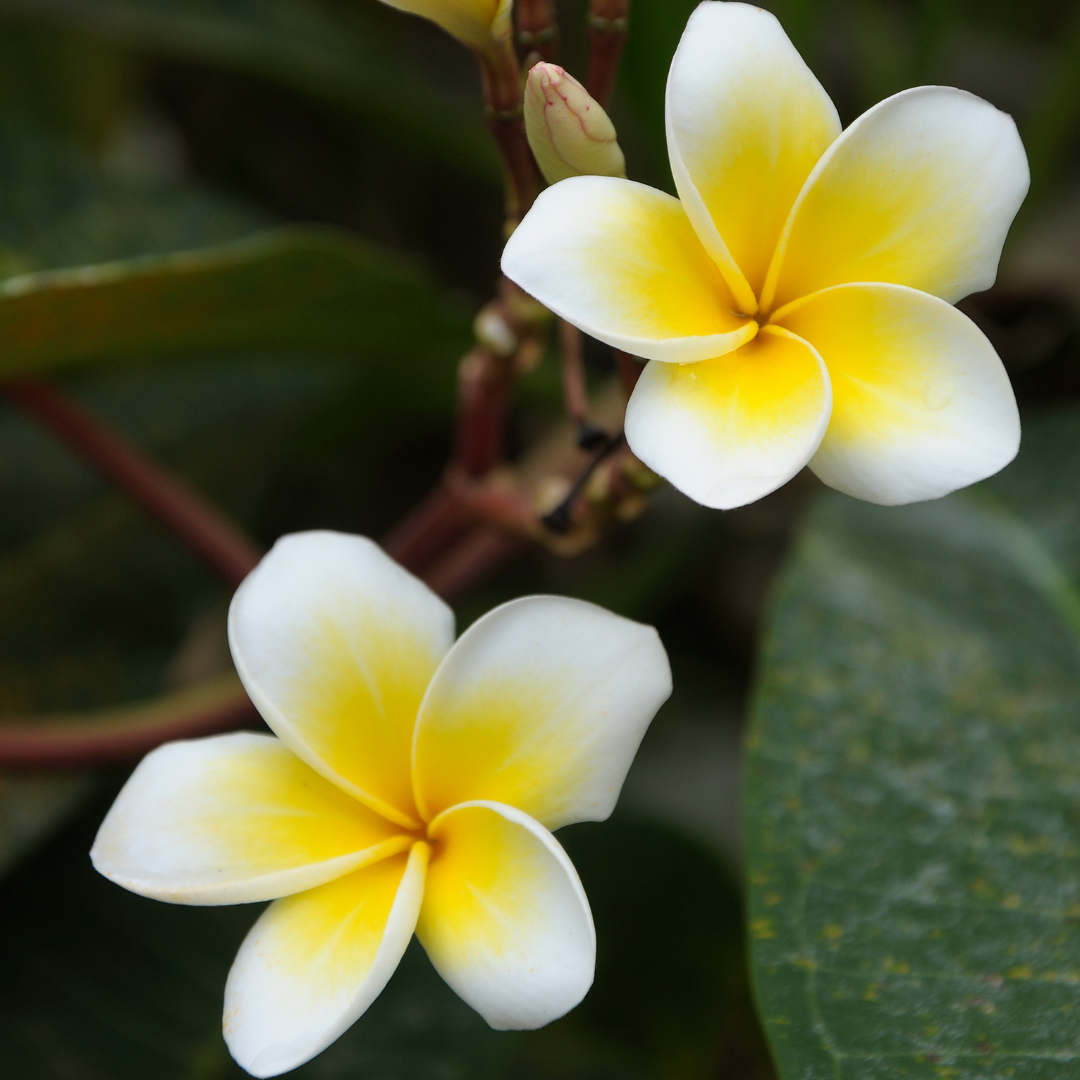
column 912, row 809
column 153, row 271
column 348, row 62
column 306, row 289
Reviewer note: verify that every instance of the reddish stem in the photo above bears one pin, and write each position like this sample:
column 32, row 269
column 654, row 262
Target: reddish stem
column 186, row 514
column 503, row 95
column 608, row 25
column 71, row 744
column 483, row 402
column 475, row 557
column 575, row 396
column 428, row 530
column 537, row 28
column 629, row 370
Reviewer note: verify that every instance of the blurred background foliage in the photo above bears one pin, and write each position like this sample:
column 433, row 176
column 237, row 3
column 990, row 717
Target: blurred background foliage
column 323, row 170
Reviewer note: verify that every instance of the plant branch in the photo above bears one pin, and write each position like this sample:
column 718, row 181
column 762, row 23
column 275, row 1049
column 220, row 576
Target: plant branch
column 503, row 95
column 537, row 29
column 609, row 22
column 219, row 543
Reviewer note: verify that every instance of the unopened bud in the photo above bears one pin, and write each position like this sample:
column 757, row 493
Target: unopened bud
column 477, row 23
column 569, row 132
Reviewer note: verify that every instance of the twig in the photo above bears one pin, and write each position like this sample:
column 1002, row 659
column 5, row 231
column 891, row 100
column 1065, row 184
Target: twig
column 629, row 370
column 503, row 99
column 608, row 26
column 474, row 558
column 427, row 530
column 575, row 393
column 104, row 736
column 537, row 29
column 186, row 514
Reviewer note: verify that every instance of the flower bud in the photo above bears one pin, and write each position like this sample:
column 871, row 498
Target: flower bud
column 569, row 132
column 476, row 23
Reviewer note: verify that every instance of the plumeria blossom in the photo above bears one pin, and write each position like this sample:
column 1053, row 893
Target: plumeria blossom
column 796, row 299
column 477, row 23
column 412, row 786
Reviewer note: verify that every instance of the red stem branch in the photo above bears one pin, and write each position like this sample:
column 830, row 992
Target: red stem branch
column 185, row 513
column 608, row 25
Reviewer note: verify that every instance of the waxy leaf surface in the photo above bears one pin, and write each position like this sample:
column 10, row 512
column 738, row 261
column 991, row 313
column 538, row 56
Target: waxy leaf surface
column 912, row 807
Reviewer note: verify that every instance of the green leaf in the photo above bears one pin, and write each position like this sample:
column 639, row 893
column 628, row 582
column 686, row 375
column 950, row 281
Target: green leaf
column 58, row 209
column 912, row 806
column 347, row 62
column 296, row 288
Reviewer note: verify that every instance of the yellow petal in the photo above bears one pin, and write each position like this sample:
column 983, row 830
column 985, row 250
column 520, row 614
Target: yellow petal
column 921, row 403
column 233, row 819
column 475, row 22
column 505, row 919
column 336, row 645
column 313, row 963
column 541, row 704
column 746, row 121
column 622, row 262
column 730, row 430
column 919, row 191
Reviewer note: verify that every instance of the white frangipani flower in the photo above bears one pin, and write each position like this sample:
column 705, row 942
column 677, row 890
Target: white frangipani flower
column 412, row 786
column 796, row 300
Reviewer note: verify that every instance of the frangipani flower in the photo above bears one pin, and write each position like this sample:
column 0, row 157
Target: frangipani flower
column 477, row 23
column 412, row 786
column 796, row 299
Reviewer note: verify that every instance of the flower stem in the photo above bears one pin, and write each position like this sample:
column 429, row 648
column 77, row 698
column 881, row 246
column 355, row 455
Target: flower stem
column 537, row 29
column 503, row 98
column 609, row 22
column 219, row 543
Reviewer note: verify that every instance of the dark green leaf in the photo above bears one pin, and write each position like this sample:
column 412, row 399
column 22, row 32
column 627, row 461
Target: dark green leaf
column 292, row 289
column 912, row 809
column 346, row 62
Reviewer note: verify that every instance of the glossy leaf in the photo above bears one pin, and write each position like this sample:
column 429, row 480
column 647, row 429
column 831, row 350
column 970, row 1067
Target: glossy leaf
column 346, row 62
column 912, row 808
column 306, row 289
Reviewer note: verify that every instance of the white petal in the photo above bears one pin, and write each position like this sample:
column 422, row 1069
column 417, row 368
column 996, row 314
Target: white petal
column 921, row 403
column 336, row 644
column 541, row 704
column 505, row 919
column 730, row 430
column 747, row 122
column 313, row 963
column 622, row 262
column 919, row 191
column 233, row 819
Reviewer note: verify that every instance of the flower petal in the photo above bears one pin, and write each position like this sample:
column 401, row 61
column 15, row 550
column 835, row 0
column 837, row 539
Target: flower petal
column 313, row 963
column 921, row 403
column 730, row 430
column 541, row 704
column 747, row 122
column 622, row 262
column 505, row 919
column 919, row 191
column 336, row 644
column 234, row 819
